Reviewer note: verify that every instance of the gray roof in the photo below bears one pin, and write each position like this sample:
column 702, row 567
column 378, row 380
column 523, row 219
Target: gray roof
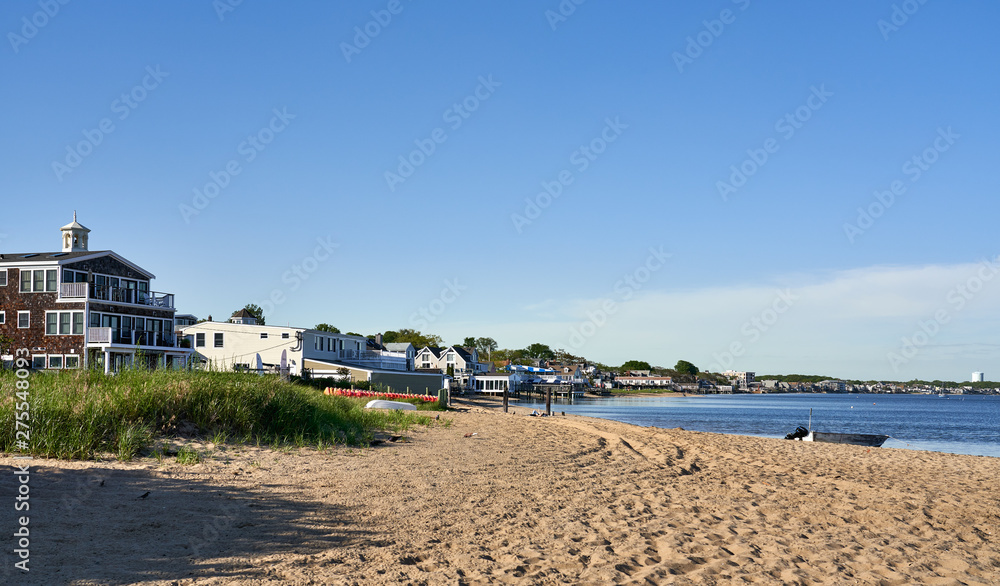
column 46, row 256
column 398, row 346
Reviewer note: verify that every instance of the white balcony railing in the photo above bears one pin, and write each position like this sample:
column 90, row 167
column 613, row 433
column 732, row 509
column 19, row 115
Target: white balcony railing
column 99, row 335
column 131, row 337
column 116, row 294
column 73, row 290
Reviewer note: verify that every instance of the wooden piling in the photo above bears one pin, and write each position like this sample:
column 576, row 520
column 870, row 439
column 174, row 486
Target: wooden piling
column 548, row 400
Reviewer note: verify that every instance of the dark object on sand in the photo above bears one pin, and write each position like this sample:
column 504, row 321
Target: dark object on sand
column 798, row 433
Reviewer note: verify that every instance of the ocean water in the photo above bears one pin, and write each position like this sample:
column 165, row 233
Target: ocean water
column 957, row 424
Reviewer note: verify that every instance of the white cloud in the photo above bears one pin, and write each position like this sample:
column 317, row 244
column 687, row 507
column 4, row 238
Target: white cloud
column 840, row 323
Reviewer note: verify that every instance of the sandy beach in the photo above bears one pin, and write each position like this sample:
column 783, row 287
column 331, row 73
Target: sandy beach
column 485, row 497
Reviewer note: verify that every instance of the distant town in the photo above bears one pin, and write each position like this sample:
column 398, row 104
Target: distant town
column 74, row 308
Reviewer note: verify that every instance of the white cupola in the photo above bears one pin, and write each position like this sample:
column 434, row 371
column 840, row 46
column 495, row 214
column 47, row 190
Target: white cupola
column 74, row 236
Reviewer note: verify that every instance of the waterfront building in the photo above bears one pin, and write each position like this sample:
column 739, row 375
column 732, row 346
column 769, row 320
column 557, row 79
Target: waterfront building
column 79, row 308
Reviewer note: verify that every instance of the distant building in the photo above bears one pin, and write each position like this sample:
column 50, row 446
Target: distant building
column 644, row 381
column 978, row 377
column 742, row 378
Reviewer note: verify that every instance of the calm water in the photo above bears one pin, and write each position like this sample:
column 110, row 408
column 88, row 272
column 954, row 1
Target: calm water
column 956, row 424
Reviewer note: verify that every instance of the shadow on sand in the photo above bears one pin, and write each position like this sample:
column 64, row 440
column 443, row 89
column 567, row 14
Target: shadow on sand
column 92, row 526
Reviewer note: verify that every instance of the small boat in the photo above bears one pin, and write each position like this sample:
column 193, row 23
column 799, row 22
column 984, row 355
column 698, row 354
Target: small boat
column 858, row 439
column 398, row 405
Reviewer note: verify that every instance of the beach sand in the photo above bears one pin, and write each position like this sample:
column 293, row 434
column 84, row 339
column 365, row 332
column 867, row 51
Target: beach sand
column 523, row 500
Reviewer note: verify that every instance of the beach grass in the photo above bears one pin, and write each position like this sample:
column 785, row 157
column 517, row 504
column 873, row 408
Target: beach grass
column 84, row 414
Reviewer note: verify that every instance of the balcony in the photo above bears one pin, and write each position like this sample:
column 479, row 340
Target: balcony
column 131, row 337
column 380, row 360
column 116, row 295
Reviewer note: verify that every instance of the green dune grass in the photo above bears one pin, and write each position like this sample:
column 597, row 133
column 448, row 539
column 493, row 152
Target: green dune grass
column 83, row 414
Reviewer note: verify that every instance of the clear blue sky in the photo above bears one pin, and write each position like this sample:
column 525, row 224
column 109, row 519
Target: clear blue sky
column 868, row 97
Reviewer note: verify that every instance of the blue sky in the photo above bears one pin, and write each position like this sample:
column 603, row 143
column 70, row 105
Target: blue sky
column 619, row 101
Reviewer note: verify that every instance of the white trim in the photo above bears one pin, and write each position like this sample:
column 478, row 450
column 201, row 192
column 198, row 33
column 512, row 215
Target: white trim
column 4, row 272
column 19, row 326
column 3, row 317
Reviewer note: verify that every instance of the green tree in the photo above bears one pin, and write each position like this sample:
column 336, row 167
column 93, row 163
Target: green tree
column 257, row 312
column 539, row 352
column 685, row 367
column 486, row 346
column 414, row 337
column 636, row 365
column 469, row 342
column 327, row 328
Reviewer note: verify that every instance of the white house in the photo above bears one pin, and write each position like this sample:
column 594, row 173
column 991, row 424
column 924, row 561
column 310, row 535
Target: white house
column 462, row 363
column 235, row 346
column 644, row 381
column 498, row 382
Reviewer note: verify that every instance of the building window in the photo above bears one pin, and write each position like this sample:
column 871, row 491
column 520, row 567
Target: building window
column 72, row 361
column 38, row 362
column 63, row 323
column 218, row 339
column 284, row 335
column 3, row 277
column 199, row 339
column 3, row 318
column 38, row 281
column 23, row 319
column 263, row 335
column 55, row 361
